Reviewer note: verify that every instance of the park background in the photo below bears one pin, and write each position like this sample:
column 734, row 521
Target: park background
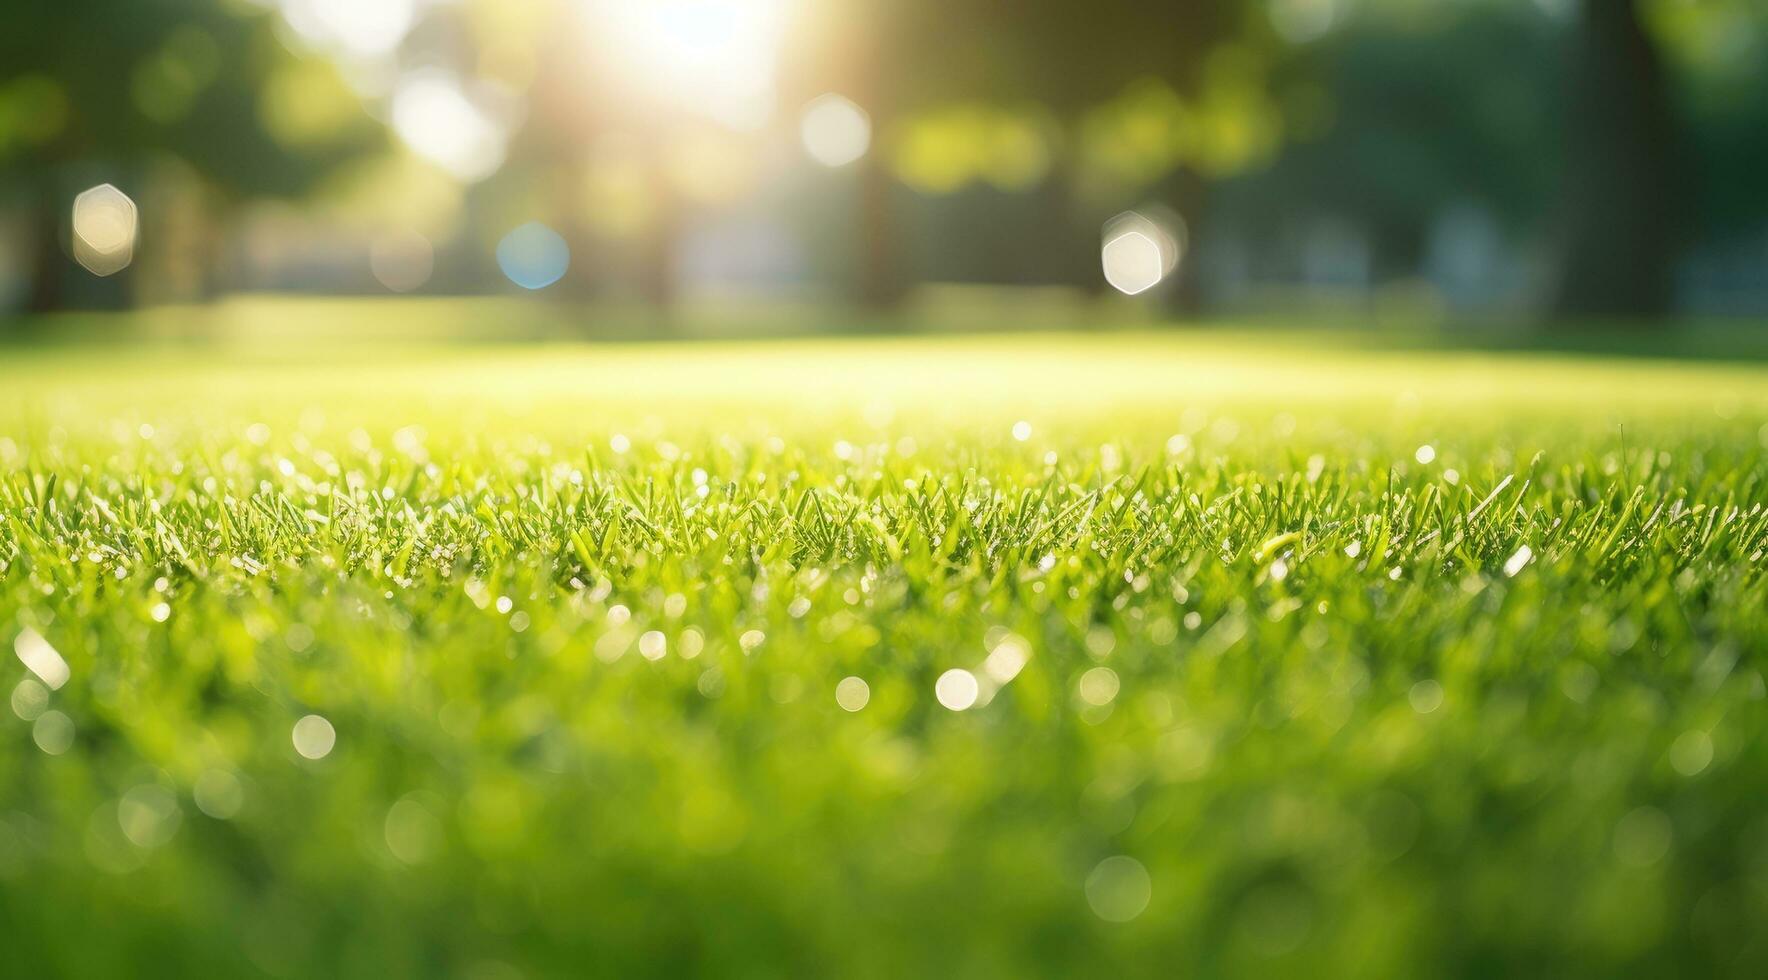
column 731, row 166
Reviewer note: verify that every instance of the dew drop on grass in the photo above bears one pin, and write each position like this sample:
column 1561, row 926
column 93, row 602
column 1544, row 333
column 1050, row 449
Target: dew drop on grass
column 1516, row 561
column 1425, row 696
column 298, row 636
column 412, row 832
column 218, row 793
column 1007, row 659
column 314, row 737
column 1099, row 686
column 1692, row 752
column 148, row 815
column 691, row 643
column 53, row 732
column 653, row 645
column 1119, row 889
column 1643, row 837
column 957, row 689
column 611, row 646
column 1578, row 681
column 29, row 700
column 40, row 658
column 852, row 693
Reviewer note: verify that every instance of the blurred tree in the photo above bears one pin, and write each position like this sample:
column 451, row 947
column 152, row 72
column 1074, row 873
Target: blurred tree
column 1400, row 115
column 113, row 90
column 1717, row 52
column 615, row 122
column 900, row 58
column 1626, row 180
column 1615, row 131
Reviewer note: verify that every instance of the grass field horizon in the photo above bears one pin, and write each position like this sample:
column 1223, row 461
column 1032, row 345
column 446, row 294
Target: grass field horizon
column 1138, row 652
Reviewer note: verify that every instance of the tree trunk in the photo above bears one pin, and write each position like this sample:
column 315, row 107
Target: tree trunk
column 1070, row 254
column 57, row 282
column 1623, row 188
column 1189, row 197
column 880, row 283
column 660, row 246
column 880, row 280
column 48, row 259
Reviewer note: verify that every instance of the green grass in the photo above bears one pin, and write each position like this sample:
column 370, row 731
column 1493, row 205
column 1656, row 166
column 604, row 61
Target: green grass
column 1296, row 693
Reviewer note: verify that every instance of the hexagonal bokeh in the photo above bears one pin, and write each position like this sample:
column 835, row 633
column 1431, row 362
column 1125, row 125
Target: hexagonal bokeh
column 1140, row 250
column 835, row 131
column 105, row 225
column 1132, row 262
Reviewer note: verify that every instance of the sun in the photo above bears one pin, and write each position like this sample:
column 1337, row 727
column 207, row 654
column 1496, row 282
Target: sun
column 714, row 57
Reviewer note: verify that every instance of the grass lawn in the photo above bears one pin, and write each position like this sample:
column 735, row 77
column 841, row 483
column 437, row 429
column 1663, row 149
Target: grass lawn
column 1216, row 654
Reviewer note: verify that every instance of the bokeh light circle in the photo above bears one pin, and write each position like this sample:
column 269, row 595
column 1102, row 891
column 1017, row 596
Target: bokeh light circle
column 533, row 256
column 402, row 261
column 1119, row 888
column 835, row 131
column 105, row 225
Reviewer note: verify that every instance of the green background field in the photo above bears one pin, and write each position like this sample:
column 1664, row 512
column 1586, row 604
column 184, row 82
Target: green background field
column 1353, row 653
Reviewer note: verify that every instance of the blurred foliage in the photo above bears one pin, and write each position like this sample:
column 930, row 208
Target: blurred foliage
column 1397, row 118
column 195, row 108
column 1249, row 120
column 1720, row 52
column 120, row 83
column 1064, row 56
